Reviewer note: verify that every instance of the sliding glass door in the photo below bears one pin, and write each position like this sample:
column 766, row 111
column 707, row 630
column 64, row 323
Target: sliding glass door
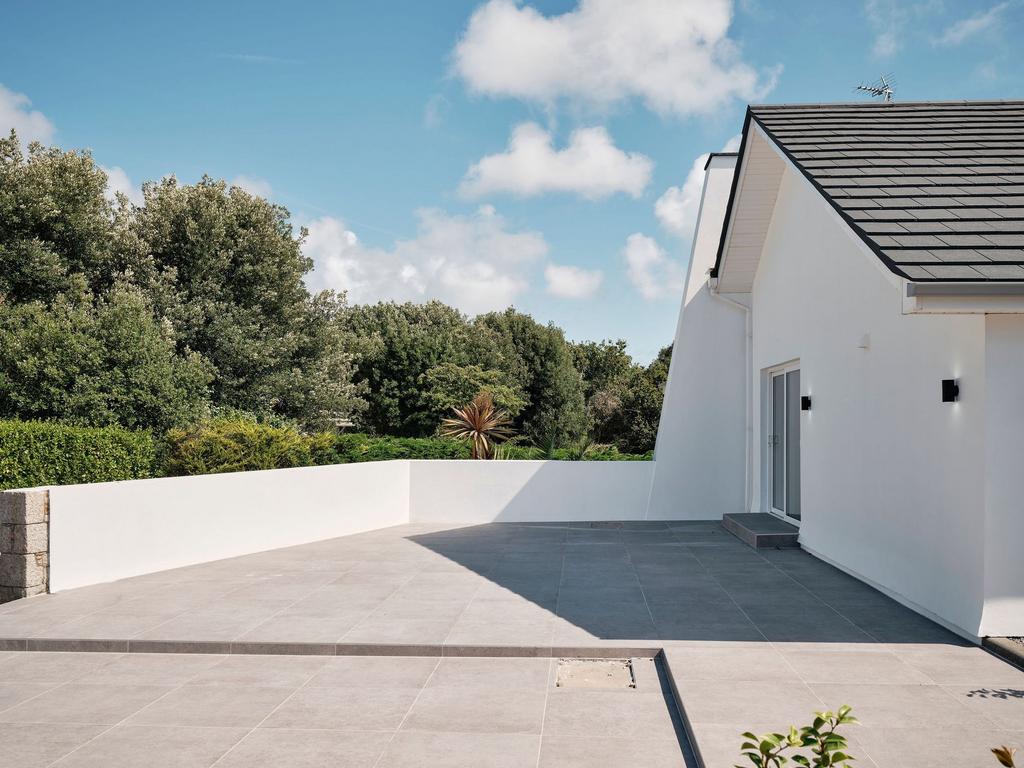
column 784, row 442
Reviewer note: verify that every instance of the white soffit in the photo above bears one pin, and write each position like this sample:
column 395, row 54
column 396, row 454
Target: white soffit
column 760, row 175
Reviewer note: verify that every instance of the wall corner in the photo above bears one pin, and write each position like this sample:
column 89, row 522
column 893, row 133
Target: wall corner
column 24, row 543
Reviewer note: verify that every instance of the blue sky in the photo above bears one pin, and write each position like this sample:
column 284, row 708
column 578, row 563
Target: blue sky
column 483, row 153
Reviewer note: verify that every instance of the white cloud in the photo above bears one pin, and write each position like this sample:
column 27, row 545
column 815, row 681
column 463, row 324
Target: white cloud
column 590, row 165
column 981, row 22
column 252, row 185
column 570, row 282
column 676, row 57
column 16, row 112
column 119, row 181
column 472, row 262
column 677, row 208
column 892, row 19
column 650, row 269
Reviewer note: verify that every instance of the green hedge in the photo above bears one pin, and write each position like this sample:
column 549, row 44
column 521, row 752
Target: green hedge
column 48, row 453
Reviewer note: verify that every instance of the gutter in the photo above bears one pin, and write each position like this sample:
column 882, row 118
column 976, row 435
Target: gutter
column 965, row 289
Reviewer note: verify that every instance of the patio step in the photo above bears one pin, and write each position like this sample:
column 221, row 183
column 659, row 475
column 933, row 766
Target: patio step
column 761, row 530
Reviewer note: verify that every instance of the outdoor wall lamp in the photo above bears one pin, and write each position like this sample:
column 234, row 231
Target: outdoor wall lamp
column 805, row 402
column 950, row 390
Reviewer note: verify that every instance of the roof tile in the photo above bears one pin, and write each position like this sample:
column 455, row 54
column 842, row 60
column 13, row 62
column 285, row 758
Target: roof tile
column 940, row 183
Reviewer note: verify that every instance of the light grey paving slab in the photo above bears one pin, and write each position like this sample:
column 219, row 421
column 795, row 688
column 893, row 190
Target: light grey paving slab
column 387, row 630
column 263, row 670
column 867, row 664
column 37, row 746
column 597, row 752
column 1003, row 706
column 151, row 669
column 225, row 706
column 155, row 747
column 492, row 674
column 928, row 747
column 956, row 665
column 583, row 713
column 739, row 702
column 728, row 664
column 373, row 709
column 12, row 694
column 477, row 710
column 420, row 749
column 278, row 748
column 360, row 672
column 53, row 667
column 900, row 706
column 84, row 703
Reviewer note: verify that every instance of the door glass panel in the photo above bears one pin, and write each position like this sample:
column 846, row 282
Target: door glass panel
column 793, row 444
column 778, row 442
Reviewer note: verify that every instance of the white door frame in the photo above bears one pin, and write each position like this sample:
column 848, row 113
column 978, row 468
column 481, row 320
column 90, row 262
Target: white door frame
column 769, row 454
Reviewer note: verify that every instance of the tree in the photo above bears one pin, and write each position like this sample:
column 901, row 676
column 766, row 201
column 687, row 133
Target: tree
column 552, row 385
column 481, row 423
column 450, row 385
column 600, row 363
column 397, row 344
column 97, row 363
column 56, row 226
column 226, row 269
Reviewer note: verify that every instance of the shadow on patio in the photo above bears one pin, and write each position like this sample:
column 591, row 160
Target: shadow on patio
column 570, row 583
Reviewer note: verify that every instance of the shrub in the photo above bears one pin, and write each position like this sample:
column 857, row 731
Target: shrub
column 821, row 739
column 357, row 447
column 36, row 453
column 236, row 445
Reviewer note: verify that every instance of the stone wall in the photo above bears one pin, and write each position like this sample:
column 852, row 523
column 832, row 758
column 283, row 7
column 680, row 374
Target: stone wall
column 24, row 543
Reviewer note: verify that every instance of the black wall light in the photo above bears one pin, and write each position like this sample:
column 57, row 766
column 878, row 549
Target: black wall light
column 805, row 402
column 950, row 390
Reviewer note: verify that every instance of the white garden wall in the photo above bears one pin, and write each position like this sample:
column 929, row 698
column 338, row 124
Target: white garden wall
column 530, row 491
column 107, row 531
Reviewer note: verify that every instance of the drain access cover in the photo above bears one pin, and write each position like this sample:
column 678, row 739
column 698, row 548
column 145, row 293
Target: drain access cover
column 595, row 673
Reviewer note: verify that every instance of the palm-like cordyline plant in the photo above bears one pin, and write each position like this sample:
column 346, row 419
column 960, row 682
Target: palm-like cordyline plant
column 480, row 422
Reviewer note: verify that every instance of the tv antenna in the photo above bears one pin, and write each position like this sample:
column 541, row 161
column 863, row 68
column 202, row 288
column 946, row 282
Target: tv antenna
column 883, row 87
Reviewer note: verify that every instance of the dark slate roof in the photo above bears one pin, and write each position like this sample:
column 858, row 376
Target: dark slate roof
column 936, row 189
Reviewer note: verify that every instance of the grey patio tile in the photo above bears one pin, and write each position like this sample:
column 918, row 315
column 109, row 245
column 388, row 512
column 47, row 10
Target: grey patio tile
column 386, row 630
column 597, row 752
column 477, row 710
column 225, row 706
column 870, row 665
column 1002, row 706
column 37, row 746
column 12, row 694
column 422, row 749
column 376, row 671
column 507, row 610
column 952, row 665
column 107, row 625
column 728, row 664
column 900, row 706
column 279, row 747
column 590, row 713
column 85, row 703
column 155, row 746
column 491, row 673
column 527, row 633
column 54, row 667
column 270, row 671
column 292, row 629
column 151, row 669
column 962, row 747
column 400, row 606
column 373, row 709
column 739, row 702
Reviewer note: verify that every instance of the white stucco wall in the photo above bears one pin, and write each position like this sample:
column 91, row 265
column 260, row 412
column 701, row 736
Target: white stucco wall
column 700, row 456
column 1004, row 456
column 893, row 480
column 521, row 491
column 106, row 531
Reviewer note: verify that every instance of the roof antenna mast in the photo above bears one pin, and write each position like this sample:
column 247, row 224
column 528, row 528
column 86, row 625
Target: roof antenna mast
column 883, row 88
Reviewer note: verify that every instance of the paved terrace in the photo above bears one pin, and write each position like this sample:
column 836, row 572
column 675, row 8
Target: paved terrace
column 751, row 641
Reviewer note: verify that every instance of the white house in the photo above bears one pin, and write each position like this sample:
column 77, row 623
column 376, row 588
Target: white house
column 850, row 349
